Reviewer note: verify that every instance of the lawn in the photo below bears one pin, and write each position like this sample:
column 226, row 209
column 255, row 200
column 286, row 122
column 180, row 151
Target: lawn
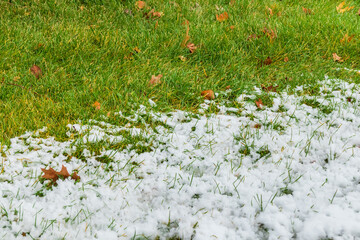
column 106, row 133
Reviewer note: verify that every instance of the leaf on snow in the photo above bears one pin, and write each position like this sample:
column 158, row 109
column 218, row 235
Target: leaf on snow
column 259, row 103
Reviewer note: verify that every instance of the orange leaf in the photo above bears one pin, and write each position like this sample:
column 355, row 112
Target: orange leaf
column 36, row 71
column 50, row 174
column 140, row 4
column 341, row 7
column 259, row 103
column 155, row 79
column 64, row 172
column 222, row 17
column 346, row 38
column 208, row 94
column 191, row 47
column 227, row 87
column 96, row 105
column 337, row 58
column 232, row 27
column 268, row 61
column 75, row 176
column 286, row 59
column 137, row 50
column 307, row 10
column 270, row 11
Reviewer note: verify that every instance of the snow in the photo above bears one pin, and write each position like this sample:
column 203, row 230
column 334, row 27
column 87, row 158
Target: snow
column 202, row 177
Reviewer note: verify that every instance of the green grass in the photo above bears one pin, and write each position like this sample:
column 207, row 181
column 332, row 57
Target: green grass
column 83, row 48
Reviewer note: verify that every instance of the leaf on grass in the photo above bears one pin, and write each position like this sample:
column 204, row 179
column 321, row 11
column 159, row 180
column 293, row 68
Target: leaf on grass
column 155, row 79
column 52, row 175
column 337, row 58
column 96, row 105
column 346, row 38
column 306, row 10
column 191, row 47
column 253, row 36
column 341, row 7
column 208, row 94
column 222, row 17
column 137, row 50
column 154, row 14
column 232, row 27
column 259, row 103
column 36, row 71
column 268, row 61
column 286, row 59
column 140, row 4
column 270, row 11
column 182, row 58
column 270, row 88
column 227, row 87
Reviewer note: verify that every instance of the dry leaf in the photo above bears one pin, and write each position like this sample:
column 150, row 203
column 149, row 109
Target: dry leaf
column 75, row 176
column 286, row 59
column 232, row 27
column 346, row 38
column 257, row 126
column 82, row 8
column 270, row 11
column 64, row 172
column 259, row 103
column 155, row 79
column 137, row 50
column 96, row 105
column 307, row 10
column 253, row 36
column 268, row 61
column 191, row 47
column 36, row 71
column 52, row 175
column 140, row 4
column 337, row 58
column 270, row 88
column 341, row 7
column 227, row 87
column 222, row 17
column 208, row 94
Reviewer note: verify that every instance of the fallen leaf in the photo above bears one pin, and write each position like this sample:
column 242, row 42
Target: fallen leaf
column 82, row 8
column 222, row 17
column 96, row 105
column 270, row 11
column 232, row 27
column 306, row 10
column 155, row 79
column 52, row 175
column 253, row 36
column 36, row 71
column 153, row 14
column 341, row 7
column 286, row 59
column 140, row 4
column 268, row 61
column 208, row 94
column 227, row 87
column 349, row 99
column 346, row 38
column 337, row 58
column 259, row 103
column 137, row 50
column 270, row 88
column 191, row 47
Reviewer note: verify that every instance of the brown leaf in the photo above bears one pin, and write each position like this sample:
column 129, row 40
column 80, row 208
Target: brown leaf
column 64, row 172
column 155, row 79
column 286, row 59
column 222, row 17
column 257, row 126
column 270, row 88
column 191, row 47
column 259, row 103
column 227, row 87
column 137, row 50
column 208, row 94
column 337, row 58
column 270, row 33
column 36, row 71
column 306, row 10
column 270, row 11
column 140, row 4
column 75, row 176
column 268, row 61
column 97, row 105
column 346, row 38
column 253, row 36
column 50, row 174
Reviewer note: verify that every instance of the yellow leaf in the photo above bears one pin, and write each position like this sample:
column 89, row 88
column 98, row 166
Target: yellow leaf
column 341, row 7
column 222, row 17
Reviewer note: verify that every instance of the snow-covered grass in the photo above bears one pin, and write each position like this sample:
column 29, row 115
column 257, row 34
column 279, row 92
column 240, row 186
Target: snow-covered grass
column 287, row 171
